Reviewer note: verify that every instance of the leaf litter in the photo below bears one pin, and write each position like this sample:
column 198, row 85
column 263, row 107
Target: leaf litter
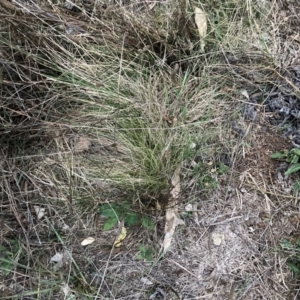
column 201, row 22
column 172, row 219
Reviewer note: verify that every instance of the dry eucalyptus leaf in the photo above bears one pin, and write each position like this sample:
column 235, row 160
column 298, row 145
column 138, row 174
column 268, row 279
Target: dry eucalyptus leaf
column 40, row 211
column 176, row 183
column 201, row 22
column 57, row 257
column 69, row 4
column 146, row 281
column 172, row 219
column 87, row 241
column 245, row 94
column 66, row 228
column 50, row 161
column 66, row 289
column 189, row 207
column 171, row 222
column 60, row 259
column 218, row 238
column 196, row 214
column 82, row 144
column 68, row 292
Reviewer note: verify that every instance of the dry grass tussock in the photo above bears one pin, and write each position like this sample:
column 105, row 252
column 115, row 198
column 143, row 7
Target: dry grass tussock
column 100, row 103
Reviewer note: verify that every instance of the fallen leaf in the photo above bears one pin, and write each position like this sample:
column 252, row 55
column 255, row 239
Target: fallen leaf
column 243, row 190
column 57, row 257
column 50, row 161
column 87, row 241
column 157, row 206
column 40, row 211
column 152, row 5
column 67, row 292
column 218, row 238
column 146, row 281
column 60, row 259
column 201, row 22
column 172, row 220
column 189, row 207
column 196, row 214
column 82, row 144
column 66, row 289
column 120, row 238
column 158, row 294
column 69, row 4
column 66, row 228
column 170, row 119
column 193, row 145
column 245, row 94
column 176, row 183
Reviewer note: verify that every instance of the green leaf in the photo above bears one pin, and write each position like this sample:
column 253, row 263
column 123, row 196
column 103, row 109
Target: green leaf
column 295, row 151
column 4, row 250
column 111, row 210
column 126, row 205
column 110, row 213
column 7, row 266
column 295, row 159
column 142, row 248
column 110, row 223
column 296, row 187
column 286, row 244
column 148, row 223
column 145, row 253
column 223, row 169
column 148, row 255
column 279, row 155
column 131, row 218
column 294, row 168
column 293, row 267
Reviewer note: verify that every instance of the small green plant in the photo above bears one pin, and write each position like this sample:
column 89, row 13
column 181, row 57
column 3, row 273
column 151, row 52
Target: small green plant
column 209, row 179
column 293, row 251
column 114, row 212
column 10, row 257
column 296, row 187
column 222, row 169
column 293, row 157
column 145, row 253
column 6, row 260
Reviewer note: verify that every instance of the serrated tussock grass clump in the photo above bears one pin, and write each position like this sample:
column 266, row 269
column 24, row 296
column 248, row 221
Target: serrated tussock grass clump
column 139, row 92
column 83, row 107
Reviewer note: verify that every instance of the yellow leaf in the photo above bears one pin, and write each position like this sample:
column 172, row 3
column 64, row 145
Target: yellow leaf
column 120, row 238
column 87, row 241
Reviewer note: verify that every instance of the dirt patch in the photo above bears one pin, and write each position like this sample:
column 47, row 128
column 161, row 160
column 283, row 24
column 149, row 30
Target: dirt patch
column 226, row 250
column 256, row 156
